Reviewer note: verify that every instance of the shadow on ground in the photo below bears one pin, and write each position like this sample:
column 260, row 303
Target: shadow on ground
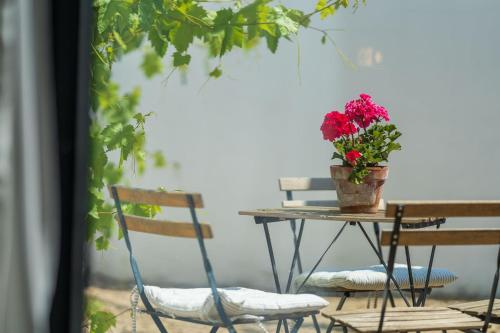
column 118, row 302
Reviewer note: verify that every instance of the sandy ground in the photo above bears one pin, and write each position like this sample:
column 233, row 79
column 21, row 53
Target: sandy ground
column 117, row 302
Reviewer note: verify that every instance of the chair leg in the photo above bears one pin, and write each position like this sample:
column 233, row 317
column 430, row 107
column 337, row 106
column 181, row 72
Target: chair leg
column 330, row 327
column 316, row 324
column 339, row 307
column 391, row 299
column 285, row 325
column 214, row 329
column 297, row 325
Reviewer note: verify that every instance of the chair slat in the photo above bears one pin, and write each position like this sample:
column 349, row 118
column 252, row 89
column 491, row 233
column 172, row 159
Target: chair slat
column 306, row 184
column 483, row 236
column 165, row 228
column 439, row 208
column 150, row 197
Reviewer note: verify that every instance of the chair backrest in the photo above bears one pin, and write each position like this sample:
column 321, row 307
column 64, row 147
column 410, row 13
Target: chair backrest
column 166, row 199
column 441, row 209
column 167, row 228
column 292, row 184
column 445, row 208
column 464, row 236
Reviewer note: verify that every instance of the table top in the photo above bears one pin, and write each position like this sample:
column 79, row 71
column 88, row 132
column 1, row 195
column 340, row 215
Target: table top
column 326, row 213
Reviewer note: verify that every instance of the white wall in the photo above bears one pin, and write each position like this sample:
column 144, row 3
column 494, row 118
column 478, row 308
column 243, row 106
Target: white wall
column 434, row 65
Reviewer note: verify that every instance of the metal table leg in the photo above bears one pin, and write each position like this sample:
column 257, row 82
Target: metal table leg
column 426, row 291
column 321, row 257
column 396, row 284
column 296, row 256
column 338, row 308
column 293, row 226
column 275, row 273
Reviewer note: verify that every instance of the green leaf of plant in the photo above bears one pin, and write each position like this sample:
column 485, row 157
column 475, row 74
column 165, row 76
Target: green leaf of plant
column 151, row 64
column 146, row 14
column 272, row 42
column 326, row 10
column 337, row 155
column 119, row 40
column 285, row 24
column 101, row 243
column 159, row 159
column 102, row 322
column 158, row 41
column 182, row 37
column 181, row 59
column 142, row 210
column 216, row 72
column 113, row 14
column 112, row 174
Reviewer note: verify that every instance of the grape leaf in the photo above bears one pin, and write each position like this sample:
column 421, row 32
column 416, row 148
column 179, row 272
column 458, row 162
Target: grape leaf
column 151, row 64
column 182, row 36
column 159, row 159
column 325, row 9
column 146, row 14
column 158, row 41
column 181, row 59
column 216, row 72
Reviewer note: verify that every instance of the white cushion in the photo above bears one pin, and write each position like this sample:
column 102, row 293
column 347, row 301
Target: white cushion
column 187, row 303
column 374, row 278
column 198, row 303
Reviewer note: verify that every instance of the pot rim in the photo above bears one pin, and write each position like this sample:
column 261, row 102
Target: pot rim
column 378, row 167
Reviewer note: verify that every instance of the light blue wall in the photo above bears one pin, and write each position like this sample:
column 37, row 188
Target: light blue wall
column 434, row 65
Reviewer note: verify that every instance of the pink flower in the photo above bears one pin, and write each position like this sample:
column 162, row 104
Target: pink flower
column 364, row 111
column 335, row 125
column 352, row 157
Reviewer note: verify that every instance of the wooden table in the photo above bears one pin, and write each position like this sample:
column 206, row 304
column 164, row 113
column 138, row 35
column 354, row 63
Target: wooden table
column 333, row 214
column 267, row 215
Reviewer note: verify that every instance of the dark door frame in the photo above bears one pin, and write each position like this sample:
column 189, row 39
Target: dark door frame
column 71, row 28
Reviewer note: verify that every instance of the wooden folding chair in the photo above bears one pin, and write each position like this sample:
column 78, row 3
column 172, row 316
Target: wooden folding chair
column 290, row 185
column 427, row 318
column 223, row 305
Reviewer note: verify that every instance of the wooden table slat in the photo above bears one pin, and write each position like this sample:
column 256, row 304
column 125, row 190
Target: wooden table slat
column 392, row 310
column 473, row 304
column 402, row 316
column 327, row 213
column 478, row 308
column 406, row 319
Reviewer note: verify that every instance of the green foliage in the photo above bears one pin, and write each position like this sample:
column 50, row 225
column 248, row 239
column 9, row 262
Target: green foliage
column 97, row 320
column 163, row 29
column 152, row 64
column 328, row 11
column 375, row 145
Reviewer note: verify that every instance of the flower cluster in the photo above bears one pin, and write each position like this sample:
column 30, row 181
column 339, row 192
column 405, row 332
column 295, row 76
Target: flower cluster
column 352, row 157
column 364, row 111
column 335, row 125
column 359, row 135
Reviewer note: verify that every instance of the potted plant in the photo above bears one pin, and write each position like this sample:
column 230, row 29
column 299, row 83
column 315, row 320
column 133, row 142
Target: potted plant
column 363, row 139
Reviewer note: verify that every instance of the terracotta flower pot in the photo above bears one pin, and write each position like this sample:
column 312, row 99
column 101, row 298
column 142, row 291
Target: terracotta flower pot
column 359, row 198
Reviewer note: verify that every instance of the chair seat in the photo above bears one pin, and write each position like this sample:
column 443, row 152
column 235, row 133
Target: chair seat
column 479, row 308
column 373, row 278
column 405, row 319
column 198, row 303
